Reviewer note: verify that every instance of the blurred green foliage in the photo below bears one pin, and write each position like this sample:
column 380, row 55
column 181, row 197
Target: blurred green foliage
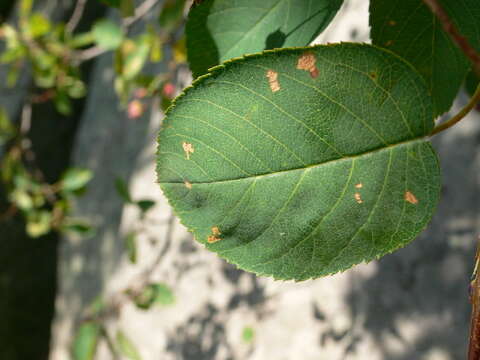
column 54, row 54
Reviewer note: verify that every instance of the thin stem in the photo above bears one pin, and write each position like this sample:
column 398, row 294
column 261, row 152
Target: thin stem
column 462, row 113
column 142, row 10
column 76, row 16
column 460, row 40
column 474, row 343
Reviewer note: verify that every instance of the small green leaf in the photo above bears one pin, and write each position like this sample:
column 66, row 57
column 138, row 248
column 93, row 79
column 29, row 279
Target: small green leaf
column 302, row 162
column 107, row 34
column 145, row 205
column 7, row 130
column 122, row 190
column 77, row 227
column 38, row 25
column 136, row 57
column 21, row 199
column 75, row 179
column 218, row 30
column 62, row 102
column 77, row 89
column 157, row 293
column 126, row 347
column 131, row 246
column 81, row 40
column 86, row 340
column 97, row 305
column 164, row 295
column 408, row 28
column 38, row 223
column 248, row 334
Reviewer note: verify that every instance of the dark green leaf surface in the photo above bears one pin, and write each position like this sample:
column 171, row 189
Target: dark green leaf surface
column 218, row 30
column 297, row 173
column 471, row 83
column 409, row 28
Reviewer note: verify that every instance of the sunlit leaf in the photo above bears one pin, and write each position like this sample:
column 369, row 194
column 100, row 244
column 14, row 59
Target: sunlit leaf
column 136, row 57
column 85, row 341
column 126, row 347
column 38, row 25
column 107, row 34
column 131, row 246
column 157, row 293
column 299, row 163
column 75, row 179
column 248, row 334
column 218, row 30
column 38, row 223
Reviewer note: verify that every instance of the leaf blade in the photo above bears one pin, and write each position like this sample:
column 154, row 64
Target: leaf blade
column 219, row 30
column 297, row 188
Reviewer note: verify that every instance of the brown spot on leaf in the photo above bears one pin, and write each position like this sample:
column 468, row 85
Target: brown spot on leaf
column 215, row 235
column 188, row 184
column 410, row 198
column 389, row 42
column 307, row 61
column 216, row 230
column 392, row 23
column 359, row 185
column 373, row 75
column 188, row 148
column 273, row 80
column 358, row 198
column 213, row 239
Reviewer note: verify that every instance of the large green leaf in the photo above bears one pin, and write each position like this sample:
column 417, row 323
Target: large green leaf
column 409, row 28
column 298, row 163
column 218, row 30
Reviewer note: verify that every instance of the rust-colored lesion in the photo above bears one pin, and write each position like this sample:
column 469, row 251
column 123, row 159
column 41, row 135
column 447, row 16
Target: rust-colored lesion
column 410, row 197
column 358, row 198
column 474, row 341
column 308, row 62
column 273, row 80
column 188, row 149
column 215, row 235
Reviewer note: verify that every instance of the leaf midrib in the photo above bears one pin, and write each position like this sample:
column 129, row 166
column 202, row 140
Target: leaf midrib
column 328, row 162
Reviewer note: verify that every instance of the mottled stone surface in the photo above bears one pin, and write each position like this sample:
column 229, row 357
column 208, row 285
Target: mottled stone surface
column 412, row 304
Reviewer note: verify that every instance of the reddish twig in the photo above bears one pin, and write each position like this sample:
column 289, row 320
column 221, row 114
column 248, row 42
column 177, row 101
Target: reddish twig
column 76, row 16
column 474, row 343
